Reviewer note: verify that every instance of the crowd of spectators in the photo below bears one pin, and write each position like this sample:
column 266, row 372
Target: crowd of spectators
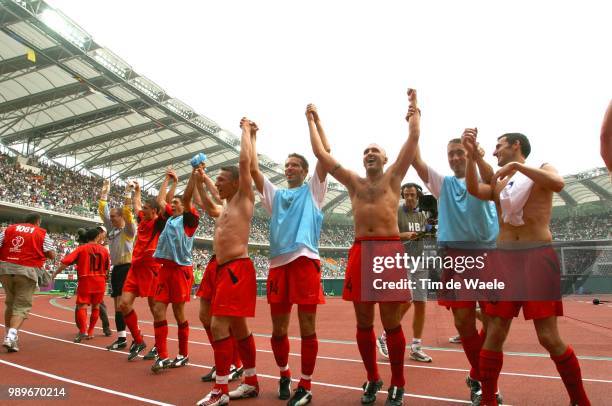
column 591, row 227
column 62, row 190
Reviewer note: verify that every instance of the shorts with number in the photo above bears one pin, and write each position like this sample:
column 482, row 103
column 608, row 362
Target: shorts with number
column 235, row 289
column 174, row 283
column 297, row 282
column 142, row 278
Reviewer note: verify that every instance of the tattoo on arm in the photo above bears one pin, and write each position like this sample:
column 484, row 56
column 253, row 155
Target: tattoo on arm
column 334, row 169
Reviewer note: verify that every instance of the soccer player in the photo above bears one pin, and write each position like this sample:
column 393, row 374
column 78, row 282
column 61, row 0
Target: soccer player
column 141, row 279
column 92, row 265
column 374, row 200
column 208, row 282
column 174, row 253
column 523, row 195
column 121, row 243
column 464, row 224
column 412, row 225
column 24, row 248
column 295, row 265
column 234, row 295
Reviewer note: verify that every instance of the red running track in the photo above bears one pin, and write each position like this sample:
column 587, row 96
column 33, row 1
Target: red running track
column 93, row 375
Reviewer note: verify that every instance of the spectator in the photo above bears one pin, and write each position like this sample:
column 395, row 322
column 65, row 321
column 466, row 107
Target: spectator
column 24, row 248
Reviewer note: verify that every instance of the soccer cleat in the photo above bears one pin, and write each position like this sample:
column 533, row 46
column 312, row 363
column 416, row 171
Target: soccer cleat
column 455, row 339
column 244, row 391
column 117, row 345
column 151, row 355
column 215, row 398
column 161, row 364
column 284, row 388
column 300, row 397
column 211, row 376
column 235, row 373
column 417, row 354
column 107, row 331
column 80, row 337
column 89, row 336
column 395, row 396
column 370, row 389
column 477, row 400
column 179, row 361
column 381, row 343
column 11, row 344
column 136, row 349
column 474, row 385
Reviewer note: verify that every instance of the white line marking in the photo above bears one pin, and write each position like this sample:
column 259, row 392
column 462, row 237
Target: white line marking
column 86, row 385
column 275, row 378
column 358, row 361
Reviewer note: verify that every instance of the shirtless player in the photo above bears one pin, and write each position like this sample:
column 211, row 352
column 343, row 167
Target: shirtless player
column 233, row 299
column 523, row 197
column 374, row 200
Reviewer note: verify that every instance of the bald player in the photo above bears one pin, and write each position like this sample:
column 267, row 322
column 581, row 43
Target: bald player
column 374, row 201
column 234, row 294
column 606, row 139
column 523, row 196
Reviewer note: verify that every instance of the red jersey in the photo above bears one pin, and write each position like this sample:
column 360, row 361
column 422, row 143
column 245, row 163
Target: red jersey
column 23, row 245
column 146, row 237
column 92, row 263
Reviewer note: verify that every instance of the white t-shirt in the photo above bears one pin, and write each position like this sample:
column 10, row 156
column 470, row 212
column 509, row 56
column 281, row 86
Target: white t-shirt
column 317, row 191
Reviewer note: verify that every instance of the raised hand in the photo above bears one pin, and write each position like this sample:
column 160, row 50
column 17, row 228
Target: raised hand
column 245, row 124
column 412, row 97
column 254, row 129
column 311, row 112
column 136, row 186
column 468, row 139
column 506, row 171
column 171, row 173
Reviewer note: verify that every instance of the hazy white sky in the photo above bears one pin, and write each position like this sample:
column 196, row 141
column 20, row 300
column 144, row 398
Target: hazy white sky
column 543, row 68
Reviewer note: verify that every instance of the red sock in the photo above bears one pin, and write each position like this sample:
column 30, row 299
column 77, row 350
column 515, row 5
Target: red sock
column 396, row 344
column 93, row 319
column 223, row 358
column 310, row 348
column 81, row 319
column 280, row 349
column 131, row 320
column 246, row 347
column 236, row 354
column 183, row 336
column 366, row 341
column 490, row 366
column 472, row 346
column 161, row 338
column 569, row 369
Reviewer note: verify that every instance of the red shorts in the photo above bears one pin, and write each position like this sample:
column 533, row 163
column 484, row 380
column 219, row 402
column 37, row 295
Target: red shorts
column 235, row 289
column 532, row 310
column 298, row 281
column 533, row 279
column 174, row 283
column 206, row 290
column 142, row 278
column 448, row 298
column 352, row 290
column 89, row 298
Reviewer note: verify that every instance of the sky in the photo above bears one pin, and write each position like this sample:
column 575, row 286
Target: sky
column 543, row 68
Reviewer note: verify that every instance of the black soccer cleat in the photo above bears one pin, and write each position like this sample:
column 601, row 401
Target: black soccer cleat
column 395, row 396
column 120, row 344
column 370, row 389
column 151, row 355
column 136, row 349
column 284, row 388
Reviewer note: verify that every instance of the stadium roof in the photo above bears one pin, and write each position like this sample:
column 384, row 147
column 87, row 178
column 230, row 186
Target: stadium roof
column 65, row 97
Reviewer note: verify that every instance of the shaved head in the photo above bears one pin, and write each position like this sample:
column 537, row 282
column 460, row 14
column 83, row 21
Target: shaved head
column 381, row 149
